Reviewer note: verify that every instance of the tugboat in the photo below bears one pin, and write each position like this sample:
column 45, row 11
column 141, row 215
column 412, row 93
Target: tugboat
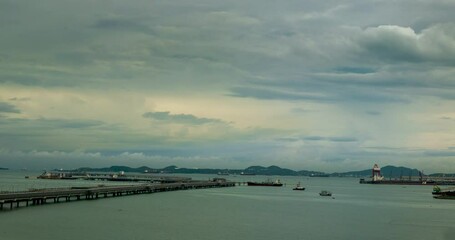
column 325, row 193
column 436, row 190
column 298, row 187
column 443, row 194
column 268, row 183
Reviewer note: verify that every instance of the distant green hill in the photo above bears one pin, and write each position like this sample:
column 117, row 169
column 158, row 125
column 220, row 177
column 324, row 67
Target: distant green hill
column 387, row 171
column 442, row 175
column 255, row 170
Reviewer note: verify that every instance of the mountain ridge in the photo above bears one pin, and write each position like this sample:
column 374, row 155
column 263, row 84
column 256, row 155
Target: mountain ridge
column 387, row 171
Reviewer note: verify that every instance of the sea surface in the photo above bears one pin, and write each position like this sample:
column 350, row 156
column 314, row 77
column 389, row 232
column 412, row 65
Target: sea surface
column 355, row 211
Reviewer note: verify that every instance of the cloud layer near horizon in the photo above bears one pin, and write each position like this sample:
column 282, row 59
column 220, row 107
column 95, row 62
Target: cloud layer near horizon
column 322, row 85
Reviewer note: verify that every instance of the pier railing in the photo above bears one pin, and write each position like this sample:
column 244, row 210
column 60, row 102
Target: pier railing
column 43, row 196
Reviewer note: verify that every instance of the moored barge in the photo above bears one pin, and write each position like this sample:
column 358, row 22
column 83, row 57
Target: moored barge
column 268, row 183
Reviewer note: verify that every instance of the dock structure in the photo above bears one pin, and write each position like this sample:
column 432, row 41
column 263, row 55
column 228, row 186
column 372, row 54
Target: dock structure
column 39, row 197
column 111, row 176
column 377, row 178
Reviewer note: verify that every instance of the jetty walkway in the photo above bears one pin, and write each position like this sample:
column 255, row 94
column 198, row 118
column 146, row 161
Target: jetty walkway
column 39, row 197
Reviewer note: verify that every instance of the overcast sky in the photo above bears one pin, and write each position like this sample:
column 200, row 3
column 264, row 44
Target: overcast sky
column 303, row 84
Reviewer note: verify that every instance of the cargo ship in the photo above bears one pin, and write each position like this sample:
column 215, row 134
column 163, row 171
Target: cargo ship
column 268, row 183
column 56, row 175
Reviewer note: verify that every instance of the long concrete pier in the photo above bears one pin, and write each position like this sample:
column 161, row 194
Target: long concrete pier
column 39, row 197
column 111, row 176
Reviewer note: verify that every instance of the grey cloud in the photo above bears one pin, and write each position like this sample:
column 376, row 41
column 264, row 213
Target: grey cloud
column 43, row 78
column 447, row 96
column 392, row 85
column 274, row 94
column 396, row 43
column 391, row 42
column 343, row 139
column 323, row 95
column 330, row 139
column 76, row 58
column 180, row 118
column 46, row 124
column 333, row 159
column 374, row 113
column 440, row 153
column 23, row 99
column 75, row 123
column 68, row 134
column 359, row 70
column 372, row 97
column 323, row 52
column 314, row 138
column 20, row 79
column 122, row 25
column 287, row 139
column 8, row 108
column 302, row 110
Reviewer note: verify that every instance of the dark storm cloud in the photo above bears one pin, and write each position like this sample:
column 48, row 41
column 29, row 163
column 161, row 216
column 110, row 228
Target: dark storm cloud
column 167, row 117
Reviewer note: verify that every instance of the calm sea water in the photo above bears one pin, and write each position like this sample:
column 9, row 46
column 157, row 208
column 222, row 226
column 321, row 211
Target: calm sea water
column 356, row 211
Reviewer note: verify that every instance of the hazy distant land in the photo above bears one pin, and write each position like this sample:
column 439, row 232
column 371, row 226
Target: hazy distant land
column 387, row 171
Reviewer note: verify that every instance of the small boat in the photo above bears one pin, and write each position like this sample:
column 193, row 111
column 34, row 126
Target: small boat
column 298, row 187
column 268, row 183
column 443, row 194
column 436, row 190
column 325, row 193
